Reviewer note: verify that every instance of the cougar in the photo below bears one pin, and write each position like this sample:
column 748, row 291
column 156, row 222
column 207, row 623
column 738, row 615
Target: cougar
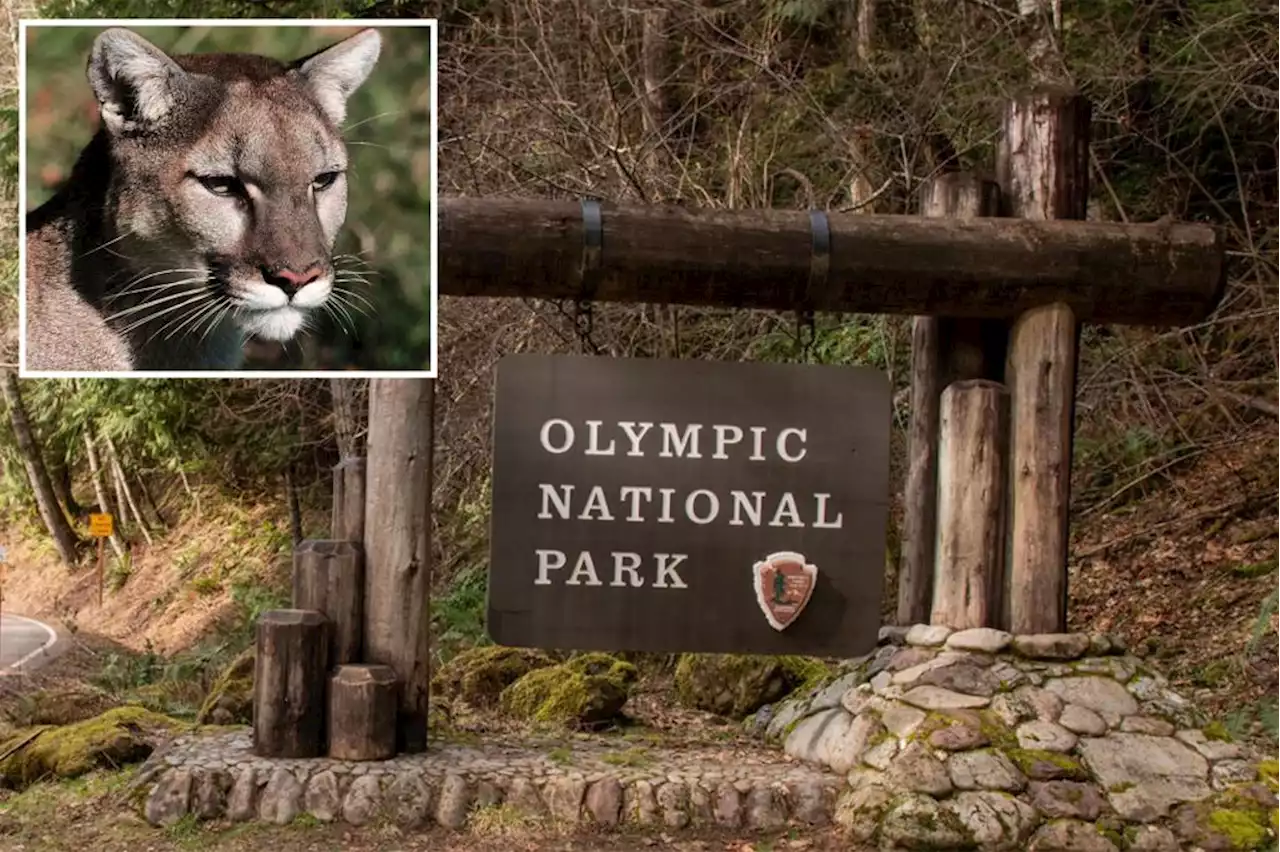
column 203, row 211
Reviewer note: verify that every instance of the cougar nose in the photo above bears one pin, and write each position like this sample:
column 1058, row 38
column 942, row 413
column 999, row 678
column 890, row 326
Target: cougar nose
column 288, row 280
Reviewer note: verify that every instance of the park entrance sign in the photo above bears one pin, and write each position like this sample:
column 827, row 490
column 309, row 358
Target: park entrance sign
column 653, row 505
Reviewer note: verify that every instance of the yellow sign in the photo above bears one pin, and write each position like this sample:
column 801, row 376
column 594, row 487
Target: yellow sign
column 100, row 526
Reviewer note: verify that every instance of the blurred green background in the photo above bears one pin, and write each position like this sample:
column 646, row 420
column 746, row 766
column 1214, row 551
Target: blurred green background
column 388, row 133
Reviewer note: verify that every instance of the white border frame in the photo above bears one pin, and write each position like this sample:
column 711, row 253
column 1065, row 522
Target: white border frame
column 139, row 23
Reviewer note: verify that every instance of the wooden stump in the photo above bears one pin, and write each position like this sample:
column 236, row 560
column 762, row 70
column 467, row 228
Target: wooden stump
column 972, row 452
column 328, row 577
column 1043, row 163
column 363, row 701
column 347, row 523
column 289, row 678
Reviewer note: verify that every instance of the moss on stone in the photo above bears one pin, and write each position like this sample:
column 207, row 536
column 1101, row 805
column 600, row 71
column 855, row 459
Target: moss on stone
column 479, row 675
column 635, row 756
column 806, row 672
column 562, row 696
column 1025, row 758
column 1269, row 773
column 1116, row 837
column 1000, row 734
column 113, row 739
column 599, row 663
column 230, row 699
column 1242, row 828
column 791, row 726
column 1217, row 731
column 734, row 685
column 881, row 737
column 1121, row 787
column 1250, row 570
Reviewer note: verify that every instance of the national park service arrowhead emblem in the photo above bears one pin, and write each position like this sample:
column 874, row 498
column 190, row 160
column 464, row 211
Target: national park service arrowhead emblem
column 784, row 583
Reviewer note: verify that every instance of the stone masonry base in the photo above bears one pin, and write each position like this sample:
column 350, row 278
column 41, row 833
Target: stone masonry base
column 604, row 783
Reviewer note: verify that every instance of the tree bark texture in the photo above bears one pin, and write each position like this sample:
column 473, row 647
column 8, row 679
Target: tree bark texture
column 397, row 543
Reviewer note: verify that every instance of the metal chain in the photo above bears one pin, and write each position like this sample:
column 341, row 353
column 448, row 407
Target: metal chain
column 806, row 334
column 584, row 324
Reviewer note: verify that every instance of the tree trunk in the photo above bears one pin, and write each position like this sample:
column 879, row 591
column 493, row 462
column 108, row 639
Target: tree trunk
column 656, row 62
column 125, row 492
column 397, row 543
column 117, row 485
column 295, row 506
column 362, row 713
column 60, row 478
column 99, row 489
column 150, row 502
column 289, row 680
column 41, row 487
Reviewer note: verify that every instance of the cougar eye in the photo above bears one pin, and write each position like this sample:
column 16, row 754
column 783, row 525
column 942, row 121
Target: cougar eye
column 221, row 185
column 324, row 180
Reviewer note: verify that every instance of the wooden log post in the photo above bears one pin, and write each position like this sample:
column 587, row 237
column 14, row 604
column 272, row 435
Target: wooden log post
column 289, row 677
column 943, row 350
column 328, row 577
column 985, row 268
column 347, row 523
column 363, row 702
column 1043, row 165
column 397, row 543
column 919, row 496
column 972, row 452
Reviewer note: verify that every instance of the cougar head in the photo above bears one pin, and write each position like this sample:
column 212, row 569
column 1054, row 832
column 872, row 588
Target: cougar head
column 229, row 177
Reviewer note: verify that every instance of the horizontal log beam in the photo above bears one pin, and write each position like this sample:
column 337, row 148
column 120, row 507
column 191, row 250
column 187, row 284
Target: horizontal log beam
column 1158, row 274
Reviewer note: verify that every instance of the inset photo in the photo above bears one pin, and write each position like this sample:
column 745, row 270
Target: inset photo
column 228, row 198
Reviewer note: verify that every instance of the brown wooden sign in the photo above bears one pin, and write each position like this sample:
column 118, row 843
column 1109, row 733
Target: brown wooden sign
column 656, row 505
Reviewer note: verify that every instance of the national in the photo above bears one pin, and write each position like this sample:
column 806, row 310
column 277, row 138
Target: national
column 642, row 503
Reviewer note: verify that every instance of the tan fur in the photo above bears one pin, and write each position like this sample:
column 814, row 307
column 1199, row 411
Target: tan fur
column 203, row 211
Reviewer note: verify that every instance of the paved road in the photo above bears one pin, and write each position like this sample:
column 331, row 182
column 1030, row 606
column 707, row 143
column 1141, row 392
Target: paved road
column 22, row 640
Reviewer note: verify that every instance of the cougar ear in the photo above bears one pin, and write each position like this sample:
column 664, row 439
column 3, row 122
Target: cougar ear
column 335, row 72
column 135, row 82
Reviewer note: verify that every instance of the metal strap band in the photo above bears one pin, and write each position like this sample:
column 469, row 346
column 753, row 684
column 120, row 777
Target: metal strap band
column 820, row 261
column 592, row 245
